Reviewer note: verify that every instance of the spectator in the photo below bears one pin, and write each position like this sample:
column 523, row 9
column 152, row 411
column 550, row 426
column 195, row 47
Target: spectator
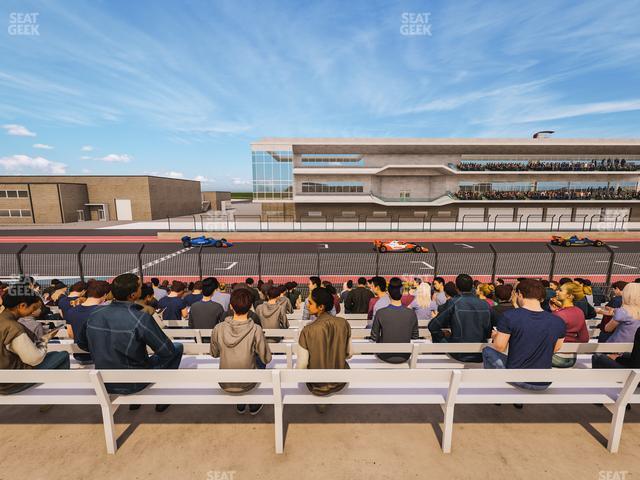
column 206, row 314
column 117, row 336
column 422, row 304
column 625, row 360
column 580, row 301
column 505, row 302
column 484, row 291
column 314, row 282
column 575, row 326
column 273, row 314
column 18, row 351
column 158, row 292
column 499, row 281
column 293, row 294
column 608, row 310
column 173, row 306
column 65, row 302
column 381, row 298
column 626, row 319
column 334, row 293
column 469, row 318
column 358, row 299
column 33, row 326
column 585, row 284
column 254, row 291
column 450, row 292
column 238, row 341
column 395, row 323
column 324, row 343
column 147, row 299
column 219, row 296
column 346, row 290
column 195, row 295
column 97, row 291
column 438, row 291
column 531, row 334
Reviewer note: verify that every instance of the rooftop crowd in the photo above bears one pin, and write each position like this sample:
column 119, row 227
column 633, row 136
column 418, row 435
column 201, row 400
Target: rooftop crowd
column 526, row 323
column 603, row 165
column 592, row 193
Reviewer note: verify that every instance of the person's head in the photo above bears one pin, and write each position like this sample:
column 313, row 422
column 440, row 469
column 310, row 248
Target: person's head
column 568, row 293
column 100, row 289
column 553, row 285
column 417, row 281
column 378, row 285
column 423, row 295
column 530, row 290
column 395, row 288
column 438, row 284
column 291, row 285
column 273, row 293
column 579, row 281
column 503, row 292
column 197, row 286
column 165, row 283
column 500, row 281
column 209, row 285
column 241, row 301
column 332, row 290
column 618, row 287
column 155, row 281
column 450, row 290
column 545, row 283
column 21, row 300
column 146, row 294
column 564, row 280
column 126, row 287
column 320, row 301
column 190, row 286
column 464, row 283
column 314, row 282
column 485, row 290
column 362, row 282
column 249, row 281
column 178, row 287
column 349, row 284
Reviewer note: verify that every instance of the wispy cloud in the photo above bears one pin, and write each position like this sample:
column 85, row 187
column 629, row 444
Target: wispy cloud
column 87, row 148
column 20, row 163
column 18, row 130
column 117, row 157
column 596, row 108
column 42, row 146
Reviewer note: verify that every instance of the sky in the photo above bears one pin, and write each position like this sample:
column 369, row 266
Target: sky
column 181, row 88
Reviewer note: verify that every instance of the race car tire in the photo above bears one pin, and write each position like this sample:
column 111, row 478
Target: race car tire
column 417, row 249
column 186, row 244
column 218, row 244
column 382, row 249
column 598, row 243
column 566, row 243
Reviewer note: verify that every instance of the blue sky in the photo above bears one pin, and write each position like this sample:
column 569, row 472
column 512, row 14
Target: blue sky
column 182, row 88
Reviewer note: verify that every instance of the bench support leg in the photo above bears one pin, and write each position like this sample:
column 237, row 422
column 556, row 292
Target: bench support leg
column 447, row 433
column 279, row 427
column 615, row 430
column 109, row 429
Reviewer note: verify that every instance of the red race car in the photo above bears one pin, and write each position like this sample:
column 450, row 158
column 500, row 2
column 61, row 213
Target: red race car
column 397, row 246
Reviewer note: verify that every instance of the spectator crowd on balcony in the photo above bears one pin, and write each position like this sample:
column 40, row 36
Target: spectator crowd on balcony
column 589, row 193
column 603, row 165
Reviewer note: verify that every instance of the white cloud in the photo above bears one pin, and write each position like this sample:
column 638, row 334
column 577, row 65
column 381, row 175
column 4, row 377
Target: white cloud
column 202, row 178
column 42, row 146
column 174, row 174
column 87, row 148
column 86, row 170
column 19, row 163
column 85, row 157
column 18, row 130
column 240, row 181
column 117, row 157
column 595, row 108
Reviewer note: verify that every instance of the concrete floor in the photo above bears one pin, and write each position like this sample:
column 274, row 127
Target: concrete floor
column 348, row 442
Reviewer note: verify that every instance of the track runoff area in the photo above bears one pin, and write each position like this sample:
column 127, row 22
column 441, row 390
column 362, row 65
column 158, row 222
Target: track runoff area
column 73, row 257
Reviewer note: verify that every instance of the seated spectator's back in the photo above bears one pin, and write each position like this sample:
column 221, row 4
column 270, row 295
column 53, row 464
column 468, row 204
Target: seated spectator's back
column 174, row 305
column 206, row 313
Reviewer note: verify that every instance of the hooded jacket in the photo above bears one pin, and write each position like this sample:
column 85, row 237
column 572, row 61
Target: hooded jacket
column 273, row 315
column 237, row 343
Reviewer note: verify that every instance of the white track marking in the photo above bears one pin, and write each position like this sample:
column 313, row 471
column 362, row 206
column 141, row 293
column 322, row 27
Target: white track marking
column 325, row 245
column 161, row 259
column 630, row 267
column 231, row 265
column 426, row 265
column 464, row 245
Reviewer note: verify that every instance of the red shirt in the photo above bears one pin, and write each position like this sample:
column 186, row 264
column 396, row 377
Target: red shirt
column 573, row 318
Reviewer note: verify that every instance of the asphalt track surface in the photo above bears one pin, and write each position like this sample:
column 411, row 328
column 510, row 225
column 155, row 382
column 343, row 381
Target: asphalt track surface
column 297, row 260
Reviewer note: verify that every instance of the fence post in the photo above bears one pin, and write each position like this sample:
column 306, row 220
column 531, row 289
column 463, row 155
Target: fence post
column 612, row 255
column 435, row 261
column 169, row 223
column 495, row 263
column 260, row 261
column 19, row 259
column 200, row 262
column 553, row 261
column 80, row 269
column 195, row 227
column 318, row 264
column 377, row 262
column 140, row 274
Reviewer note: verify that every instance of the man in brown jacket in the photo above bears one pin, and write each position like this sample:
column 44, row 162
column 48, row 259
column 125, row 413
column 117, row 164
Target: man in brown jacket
column 238, row 341
column 324, row 343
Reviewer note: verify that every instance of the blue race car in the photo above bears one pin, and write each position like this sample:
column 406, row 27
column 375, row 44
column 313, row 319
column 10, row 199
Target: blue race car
column 575, row 241
column 205, row 242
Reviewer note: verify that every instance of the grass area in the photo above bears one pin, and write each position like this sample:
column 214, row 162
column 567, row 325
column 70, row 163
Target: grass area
column 241, row 195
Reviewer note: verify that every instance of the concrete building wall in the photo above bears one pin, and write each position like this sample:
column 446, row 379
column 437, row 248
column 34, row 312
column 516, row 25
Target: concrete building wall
column 19, row 203
column 46, row 203
column 174, row 197
column 73, row 197
column 216, row 199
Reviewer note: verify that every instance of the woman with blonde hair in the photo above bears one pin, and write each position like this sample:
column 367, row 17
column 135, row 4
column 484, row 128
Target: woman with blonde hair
column 422, row 304
column 484, row 291
column 626, row 319
column 573, row 318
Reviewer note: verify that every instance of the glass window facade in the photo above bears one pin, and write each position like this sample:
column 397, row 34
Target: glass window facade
column 332, row 187
column 331, row 160
column 272, row 175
